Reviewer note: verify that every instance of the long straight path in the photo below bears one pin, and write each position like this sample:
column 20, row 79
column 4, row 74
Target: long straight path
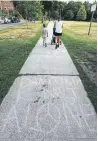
column 47, row 102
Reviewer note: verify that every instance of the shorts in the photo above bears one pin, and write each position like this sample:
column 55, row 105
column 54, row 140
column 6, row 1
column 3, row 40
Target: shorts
column 58, row 34
column 44, row 37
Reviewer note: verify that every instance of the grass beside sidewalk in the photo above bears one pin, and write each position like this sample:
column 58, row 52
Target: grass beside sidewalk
column 14, row 52
column 20, row 32
column 83, row 51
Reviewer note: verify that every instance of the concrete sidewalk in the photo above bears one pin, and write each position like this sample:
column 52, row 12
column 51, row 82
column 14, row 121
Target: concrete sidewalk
column 48, row 101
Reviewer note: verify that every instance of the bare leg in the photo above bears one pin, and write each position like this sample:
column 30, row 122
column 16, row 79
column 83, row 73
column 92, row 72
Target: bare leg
column 60, row 40
column 45, row 42
column 56, row 41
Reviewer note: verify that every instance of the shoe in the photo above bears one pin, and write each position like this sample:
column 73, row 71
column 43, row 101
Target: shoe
column 45, row 45
column 56, row 46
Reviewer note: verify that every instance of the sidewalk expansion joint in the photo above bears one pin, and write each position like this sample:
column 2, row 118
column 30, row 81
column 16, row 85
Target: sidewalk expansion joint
column 27, row 74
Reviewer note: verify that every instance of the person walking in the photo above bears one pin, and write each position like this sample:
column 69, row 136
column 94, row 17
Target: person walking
column 44, row 35
column 58, row 31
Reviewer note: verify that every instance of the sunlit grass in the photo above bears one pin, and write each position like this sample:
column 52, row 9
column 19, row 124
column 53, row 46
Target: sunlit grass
column 81, row 29
column 15, row 45
column 83, row 51
column 20, row 32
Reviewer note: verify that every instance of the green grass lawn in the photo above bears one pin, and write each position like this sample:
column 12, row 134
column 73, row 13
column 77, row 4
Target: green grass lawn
column 21, row 31
column 83, row 50
column 15, row 46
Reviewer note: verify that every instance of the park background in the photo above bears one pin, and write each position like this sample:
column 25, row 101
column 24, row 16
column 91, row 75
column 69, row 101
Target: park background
column 16, row 42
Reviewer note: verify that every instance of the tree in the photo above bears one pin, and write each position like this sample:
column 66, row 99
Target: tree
column 88, row 10
column 81, row 15
column 61, row 7
column 51, row 9
column 69, row 15
column 55, row 14
column 64, row 10
column 74, row 6
column 55, row 9
column 95, row 14
column 29, row 9
column 46, row 5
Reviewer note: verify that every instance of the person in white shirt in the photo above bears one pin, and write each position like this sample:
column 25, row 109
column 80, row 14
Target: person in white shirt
column 58, row 31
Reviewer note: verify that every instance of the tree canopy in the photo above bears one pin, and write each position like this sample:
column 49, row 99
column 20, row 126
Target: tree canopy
column 69, row 15
column 51, row 9
column 81, row 15
column 29, row 9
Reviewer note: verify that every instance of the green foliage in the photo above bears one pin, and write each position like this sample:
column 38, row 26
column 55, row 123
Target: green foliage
column 29, row 9
column 74, row 6
column 46, row 6
column 95, row 15
column 69, row 15
column 51, row 9
column 13, row 14
column 88, row 9
column 81, row 15
column 55, row 14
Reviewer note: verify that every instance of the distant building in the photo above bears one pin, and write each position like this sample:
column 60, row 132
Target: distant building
column 6, row 6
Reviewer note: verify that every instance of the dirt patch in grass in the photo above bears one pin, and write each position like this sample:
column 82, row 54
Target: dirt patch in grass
column 87, row 68
column 90, row 67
